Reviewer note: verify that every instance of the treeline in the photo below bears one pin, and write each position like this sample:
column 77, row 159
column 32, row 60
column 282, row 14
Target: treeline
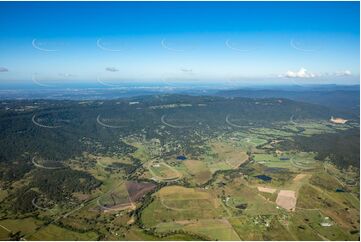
column 342, row 148
column 24, row 198
column 13, row 171
column 55, row 185
column 78, row 130
column 59, row 184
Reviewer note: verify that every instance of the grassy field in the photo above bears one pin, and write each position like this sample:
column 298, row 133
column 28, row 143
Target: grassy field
column 198, row 170
column 311, row 221
column 115, row 199
column 214, row 229
column 29, row 228
column 53, row 232
column 343, row 209
column 268, row 132
column 232, row 154
column 238, row 192
column 162, row 171
column 138, row 234
column 260, row 228
column 24, row 226
column 295, row 161
column 106, row 161
column 272, row 160
column 142, row 153
column 179, row 203
column 304, row 160
column 230, row 207
column 225, row 156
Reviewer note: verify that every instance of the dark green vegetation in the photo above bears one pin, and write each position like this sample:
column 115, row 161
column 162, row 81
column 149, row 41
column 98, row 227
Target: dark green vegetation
column 342, row 148
column 76, row 126
column 111, row 170
column 342, row 98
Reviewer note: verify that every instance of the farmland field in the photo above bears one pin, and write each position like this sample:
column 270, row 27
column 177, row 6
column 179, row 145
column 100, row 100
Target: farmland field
column 205, row 179
column 178, row 203
column 180, row 120
column 199, row 170
column 163, row 171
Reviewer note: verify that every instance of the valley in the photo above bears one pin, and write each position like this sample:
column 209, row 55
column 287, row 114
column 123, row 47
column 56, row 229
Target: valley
column 194, row 168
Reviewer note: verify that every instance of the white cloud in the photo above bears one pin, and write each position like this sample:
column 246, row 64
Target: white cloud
column 343, row 73
column 302, row 73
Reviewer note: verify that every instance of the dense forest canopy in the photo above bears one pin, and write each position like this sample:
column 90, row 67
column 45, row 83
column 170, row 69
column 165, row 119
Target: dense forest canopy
column 341, row 148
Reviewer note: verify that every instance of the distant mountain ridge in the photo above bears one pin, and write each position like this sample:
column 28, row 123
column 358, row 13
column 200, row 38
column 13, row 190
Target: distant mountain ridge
column 343, row 99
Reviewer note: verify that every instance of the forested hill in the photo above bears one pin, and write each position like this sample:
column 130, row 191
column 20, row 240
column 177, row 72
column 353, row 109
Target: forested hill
column 348, row 99
column 62, row 129
column 341, row 148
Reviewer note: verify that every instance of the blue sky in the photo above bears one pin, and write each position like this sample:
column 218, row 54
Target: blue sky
column 256, row 42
